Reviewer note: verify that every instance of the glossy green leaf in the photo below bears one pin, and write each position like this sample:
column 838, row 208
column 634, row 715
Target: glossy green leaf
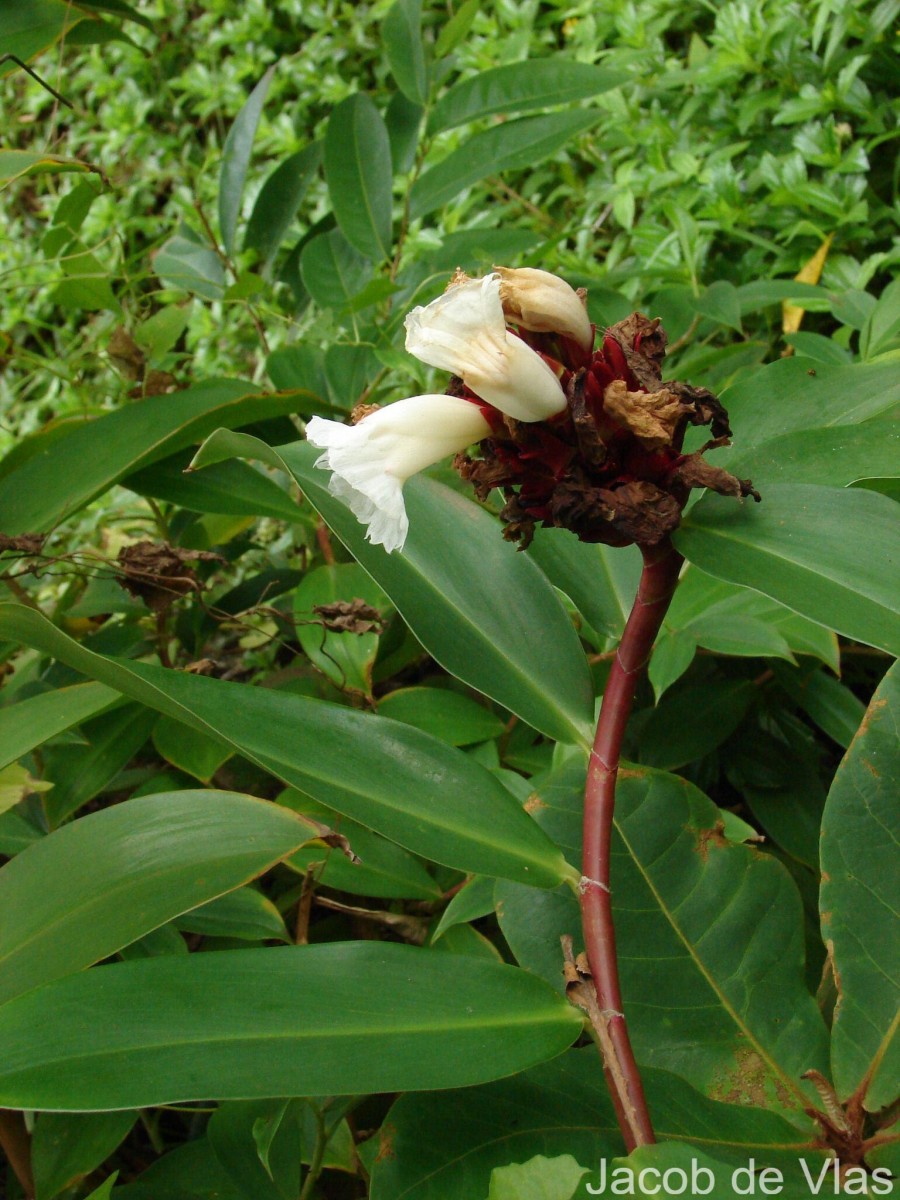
column 241, row 493
column 332, row 270
column 713, row 926
column 447, row 715
column 397, row 781
column 68, row 1146
column 538, row 1179
column 601, row 581
column 231, row 1134
column 831, row 554
column 30, row 26
column 402, row 37
column 508, row 146
column 783, row 398
column 33, row 721
column 236, row 159
column 839, row 454
column 188, row 263
column 692, row 720
column 474, row 900
column 79, row 773
column 561, row 1107
column 69, row 473
column 521, row 87
column 189, row 750
column 358, row 173
column 456, row 28
column 99, row 883
column 245, row 914
column 827, row 701
column 472, row 602
column 278, row 202
column 403, row 120
column 673, row 653
column 860, row 899
column 721, row 303
column 373, row 1018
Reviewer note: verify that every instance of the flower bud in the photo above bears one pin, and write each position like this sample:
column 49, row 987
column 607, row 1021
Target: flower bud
column 544, row 303
column 464, row 331
column 372, row 460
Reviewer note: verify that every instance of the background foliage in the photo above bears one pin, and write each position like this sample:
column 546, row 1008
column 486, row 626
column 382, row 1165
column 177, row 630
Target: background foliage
column 223, row 233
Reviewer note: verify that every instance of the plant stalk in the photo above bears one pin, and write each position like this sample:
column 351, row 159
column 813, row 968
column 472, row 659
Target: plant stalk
column 16, row 1144
column 657, row 585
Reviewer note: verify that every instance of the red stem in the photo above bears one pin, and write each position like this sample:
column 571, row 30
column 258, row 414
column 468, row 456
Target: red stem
column 658, row 580
column 16, row 1144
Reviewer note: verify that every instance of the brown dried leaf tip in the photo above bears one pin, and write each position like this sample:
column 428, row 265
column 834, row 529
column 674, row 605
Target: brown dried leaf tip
column 610, row 467
column 349, row 616
column 158, row 573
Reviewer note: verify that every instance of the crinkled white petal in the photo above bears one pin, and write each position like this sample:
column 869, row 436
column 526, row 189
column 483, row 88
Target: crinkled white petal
column 464, row 331
column 371, row 461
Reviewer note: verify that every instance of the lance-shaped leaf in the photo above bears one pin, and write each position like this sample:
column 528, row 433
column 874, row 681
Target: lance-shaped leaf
column 236, row 159
column 487, row 614
column 860, row 900
column 417, row 791
column 358, row 173
column 103, row 881
column 68, row 472
column 830, row 554
column 35, row 720
column 708, row 929
column 333, row 1019
column 560, row 1107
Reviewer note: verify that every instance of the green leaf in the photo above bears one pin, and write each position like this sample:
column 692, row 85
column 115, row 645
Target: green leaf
column 358, row 173
column 99, row 883
column 784, row 397
column 16, row 785
column 521, row 87
column 827, row 701
column 484, row 612
column 236, row 159
column 447, row 715
column 30, row 26
column 692, row 720
column 242, row 492
column 79, row 773
column 374, row 1018
column 538, row 1179
column 721, row 303
column 714, row 927
column 601, row 581
column 397, row 781
column 511, row 145
column 278, row 201
column 190, row 751
column 332, row 271
column 246, row 914
column 383, row 868
column 558, row 1108
column 859, row 903
column 829, row 554
column 457, row 27
column 402, row 37
column 69, row 473
column 31, row 722
column 403, row 120
column 230, row 1133
column 841, row 454
column 68, row 1146
column 15, row 164
column 346, row 658
column 189, row 264
column 673, row 653
column 475, row 900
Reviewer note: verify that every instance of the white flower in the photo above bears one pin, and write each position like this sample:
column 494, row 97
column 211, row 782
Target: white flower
column 372, row 460
column 544, row 303
column 464, row 331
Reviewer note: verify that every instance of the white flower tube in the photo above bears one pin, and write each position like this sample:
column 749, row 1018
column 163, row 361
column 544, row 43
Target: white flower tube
column 372, row 460
column 464, row 331
column 545, row 303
